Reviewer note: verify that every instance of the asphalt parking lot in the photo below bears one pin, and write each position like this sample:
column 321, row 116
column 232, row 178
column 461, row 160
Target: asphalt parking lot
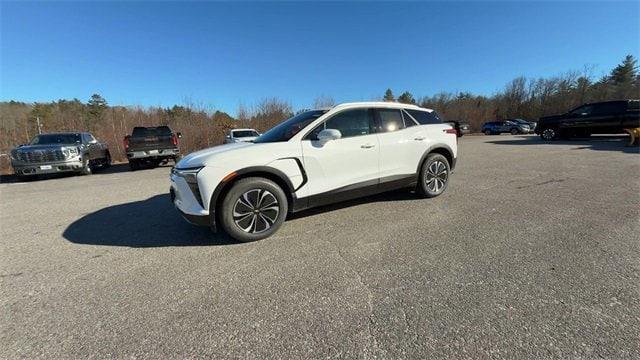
column 533, row 252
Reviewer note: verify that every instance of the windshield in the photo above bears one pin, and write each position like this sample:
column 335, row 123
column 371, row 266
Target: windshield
column 287, row 129
column 244, row 133
column 56, row 139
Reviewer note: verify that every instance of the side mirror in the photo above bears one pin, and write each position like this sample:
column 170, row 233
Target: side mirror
column 228, row 136
column 179, row 134
column 327, row 135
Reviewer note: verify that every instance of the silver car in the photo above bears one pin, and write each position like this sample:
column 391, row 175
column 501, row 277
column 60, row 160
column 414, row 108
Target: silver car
column 60, row 152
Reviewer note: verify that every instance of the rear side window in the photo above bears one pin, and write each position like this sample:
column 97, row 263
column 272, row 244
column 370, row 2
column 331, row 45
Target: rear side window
column 408, row 120
column 610, row 108
column 425, row 117
column 244, row 133
column 390, row 120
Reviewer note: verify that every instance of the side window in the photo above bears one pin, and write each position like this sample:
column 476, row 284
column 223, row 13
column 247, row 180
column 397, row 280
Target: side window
column 85, row 138
column 350, row 123
column 583, row 110
column 90, row 138
column 408, row 120
column 610, row 108
column 425, row 117
column 390, row 120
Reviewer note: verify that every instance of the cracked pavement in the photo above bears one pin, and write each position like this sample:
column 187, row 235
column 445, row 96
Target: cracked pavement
column 533, row 252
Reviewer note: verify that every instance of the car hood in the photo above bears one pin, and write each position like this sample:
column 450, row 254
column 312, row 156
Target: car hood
column 200, row 158
column 27, row 148
column 240, row 155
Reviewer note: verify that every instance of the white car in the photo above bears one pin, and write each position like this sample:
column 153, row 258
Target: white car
column 240, row 135
column 314, row 158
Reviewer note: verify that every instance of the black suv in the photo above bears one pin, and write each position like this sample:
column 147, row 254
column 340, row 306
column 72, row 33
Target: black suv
column 610, row 117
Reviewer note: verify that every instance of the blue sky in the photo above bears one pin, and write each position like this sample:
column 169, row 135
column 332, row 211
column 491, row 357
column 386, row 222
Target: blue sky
column 220, row 55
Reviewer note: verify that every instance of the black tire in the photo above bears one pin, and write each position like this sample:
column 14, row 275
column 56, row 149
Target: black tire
column 257, row 223
column 134, row 165
column 434, row 176
column 514, row 131
column 107, row 161
column 488, row 132
column 87, row 168
column 549, row 134
column 177, row 158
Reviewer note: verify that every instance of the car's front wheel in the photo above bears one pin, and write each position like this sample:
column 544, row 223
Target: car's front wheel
column 549, row 134
column 253, row 209
column 434, row 176
column 487, row 132
column 514, row 131
column 87, row 168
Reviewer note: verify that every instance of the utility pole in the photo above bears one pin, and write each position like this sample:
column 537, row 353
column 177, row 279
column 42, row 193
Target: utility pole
column 39, row 125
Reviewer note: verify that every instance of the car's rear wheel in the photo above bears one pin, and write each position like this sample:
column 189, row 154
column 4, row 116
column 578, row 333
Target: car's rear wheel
column 107, row 161
column 514, row 131
column 487, row 132
column 253, row 209
column 434, row 176
column 134, row 165
column 549, row 134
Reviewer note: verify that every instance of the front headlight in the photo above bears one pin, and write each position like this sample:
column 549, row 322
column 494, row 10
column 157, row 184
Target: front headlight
column 190, row 175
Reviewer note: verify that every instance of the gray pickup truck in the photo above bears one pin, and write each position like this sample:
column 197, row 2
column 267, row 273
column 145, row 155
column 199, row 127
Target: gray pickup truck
column 151, row 146
column 60, row 152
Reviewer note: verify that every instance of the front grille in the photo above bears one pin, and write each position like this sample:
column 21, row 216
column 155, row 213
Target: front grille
column 40, row 156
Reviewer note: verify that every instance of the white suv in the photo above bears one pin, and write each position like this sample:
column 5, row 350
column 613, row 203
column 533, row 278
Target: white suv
column 314, row 158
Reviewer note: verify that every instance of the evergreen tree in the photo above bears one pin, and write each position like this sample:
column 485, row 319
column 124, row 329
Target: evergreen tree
column 96, row 107
column 406, row 98
column 624, row 78
column 388, row 95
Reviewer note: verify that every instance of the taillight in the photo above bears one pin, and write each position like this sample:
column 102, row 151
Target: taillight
column 126, row 143
column 451, row 131
column 174, row 138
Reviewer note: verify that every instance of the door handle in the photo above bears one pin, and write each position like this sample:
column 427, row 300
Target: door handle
column 419, row 138
column 367, row 146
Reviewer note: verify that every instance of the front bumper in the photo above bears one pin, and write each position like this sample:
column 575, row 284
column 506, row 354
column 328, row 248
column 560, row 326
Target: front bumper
column 186, row 203
column 46, row 168
column 153, row 154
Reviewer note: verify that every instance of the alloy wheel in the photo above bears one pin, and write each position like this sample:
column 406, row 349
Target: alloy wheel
column 437, row 176
column 548, row 134
column 255, row 211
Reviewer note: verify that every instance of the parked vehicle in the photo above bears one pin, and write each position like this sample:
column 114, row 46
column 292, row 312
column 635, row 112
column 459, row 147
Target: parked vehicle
column 60, row 152
column 609, row 117
column 314, row 158
column 151, row 146
column 532, row 124
column 506, row 126
column 461, row 127
column 240, row 135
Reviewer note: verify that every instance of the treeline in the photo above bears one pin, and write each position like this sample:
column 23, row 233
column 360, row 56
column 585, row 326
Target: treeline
column 202, row 127
column 532, row 98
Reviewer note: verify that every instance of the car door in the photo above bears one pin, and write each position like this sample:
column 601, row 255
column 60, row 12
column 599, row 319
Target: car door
column 94, row 147
column 607, row 117
column 345, row 167
column 402, row 143
column 579, row 118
